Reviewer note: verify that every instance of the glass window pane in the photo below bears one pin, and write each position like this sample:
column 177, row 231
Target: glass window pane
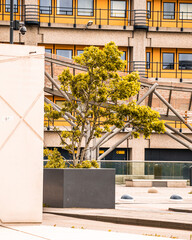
column 64, row 53
column 185, row 61
column 148, row 60
column 148, row 9
column 168, row 60
column 79, row 52
column 7, row 5
column 65, row 7
column 118, row 8
column 48, row 50
column 45, row 7
column 85, row 7
column 123, row 57
column 169, row 10
column 185, row 10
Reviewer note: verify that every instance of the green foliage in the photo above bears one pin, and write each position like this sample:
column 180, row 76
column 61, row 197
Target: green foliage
column 86, row 164
column 94, row 164
column 98, row 95
column 55, row 160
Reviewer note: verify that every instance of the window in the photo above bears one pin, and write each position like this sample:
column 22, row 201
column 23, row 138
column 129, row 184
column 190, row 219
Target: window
column 148, row 9
column 64, row 53
column 118, row 8
column 185, row 10
column 48, row 50
column 59, row 103
column 85, row 7
column 148, row 60
column 79, row 52
column 7, row 5
column 185, row 61
column 168, row 60
column 169, row 10
column 45, row 7
column 65, row 7
column 123, row 57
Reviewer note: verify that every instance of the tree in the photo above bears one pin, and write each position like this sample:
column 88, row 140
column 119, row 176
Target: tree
column 98, row 97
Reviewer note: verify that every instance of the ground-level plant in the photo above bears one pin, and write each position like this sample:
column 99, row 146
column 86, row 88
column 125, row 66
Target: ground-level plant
column 99, row 99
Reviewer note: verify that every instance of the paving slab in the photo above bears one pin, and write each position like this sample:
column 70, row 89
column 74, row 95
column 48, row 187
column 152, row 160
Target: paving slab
column 146, row 209
column 61, row 233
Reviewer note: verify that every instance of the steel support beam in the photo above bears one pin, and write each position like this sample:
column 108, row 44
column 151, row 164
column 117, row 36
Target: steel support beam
column 169, row 101
column 190, row 101
column 113, row 128
column 115, row 145
column 179, row 140
column 57, row 86
column 179, row 133
column 172, row 109
column 66, row 64
column 57, row 108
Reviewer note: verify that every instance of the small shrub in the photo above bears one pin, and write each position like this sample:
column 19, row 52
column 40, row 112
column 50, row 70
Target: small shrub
column 86, row 164
column 94, row 164
column 55, row 159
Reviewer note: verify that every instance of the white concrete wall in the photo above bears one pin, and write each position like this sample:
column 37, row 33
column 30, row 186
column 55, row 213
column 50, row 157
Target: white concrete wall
column 21, row 133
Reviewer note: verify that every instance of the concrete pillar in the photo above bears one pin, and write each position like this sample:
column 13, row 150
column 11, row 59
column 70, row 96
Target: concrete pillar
column 138, row 154
column 31, row 2
column 21, row 128
column 32, row 36
column 139, row 45
column 138, row 4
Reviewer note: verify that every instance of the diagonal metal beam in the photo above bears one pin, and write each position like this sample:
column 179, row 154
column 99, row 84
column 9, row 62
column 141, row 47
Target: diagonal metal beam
column 150, row 99
column 179, row 133
column 115, row 145
column 65, row 63
column 169, row 101
column 190, row 101
column 57, row 108
column 127, row 124
column 57, row 86
column 178, row 140
column 172, row 109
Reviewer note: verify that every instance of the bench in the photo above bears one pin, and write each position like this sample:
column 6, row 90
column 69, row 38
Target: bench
column 156, row 183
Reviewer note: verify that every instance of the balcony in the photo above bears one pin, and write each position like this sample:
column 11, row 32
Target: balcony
column 166, row 19
column 140, row 19
column 176, row 72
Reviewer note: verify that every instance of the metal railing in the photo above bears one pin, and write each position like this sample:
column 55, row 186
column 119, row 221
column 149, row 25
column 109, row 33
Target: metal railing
column 164, row 19
column 62, row 123
column 18, row 12
column 170, row 19
column 99, row 16
column 158, row 70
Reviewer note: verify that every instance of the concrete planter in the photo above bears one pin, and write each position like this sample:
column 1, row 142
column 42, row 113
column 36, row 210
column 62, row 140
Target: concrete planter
column 79, row 188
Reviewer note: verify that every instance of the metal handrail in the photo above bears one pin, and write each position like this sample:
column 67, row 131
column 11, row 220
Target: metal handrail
column 164, row 18
column 159, row 69
column 99, row 16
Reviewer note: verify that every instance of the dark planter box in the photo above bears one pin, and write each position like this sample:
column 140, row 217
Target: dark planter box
column 79, row 188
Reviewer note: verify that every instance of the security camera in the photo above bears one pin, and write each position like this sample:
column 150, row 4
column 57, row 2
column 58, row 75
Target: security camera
column 90, row 23
column 23, row 30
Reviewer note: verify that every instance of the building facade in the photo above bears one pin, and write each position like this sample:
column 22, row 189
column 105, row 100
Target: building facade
column 155, row 37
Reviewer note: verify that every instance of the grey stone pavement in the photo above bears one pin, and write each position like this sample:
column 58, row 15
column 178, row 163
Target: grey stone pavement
column 148, row 215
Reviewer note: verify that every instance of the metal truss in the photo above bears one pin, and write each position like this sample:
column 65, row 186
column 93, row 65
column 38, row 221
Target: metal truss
column 152, row 90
